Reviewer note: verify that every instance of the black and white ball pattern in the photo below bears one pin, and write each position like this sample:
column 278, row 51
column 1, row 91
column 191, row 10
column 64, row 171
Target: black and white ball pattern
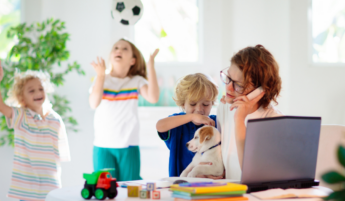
column 127, row 12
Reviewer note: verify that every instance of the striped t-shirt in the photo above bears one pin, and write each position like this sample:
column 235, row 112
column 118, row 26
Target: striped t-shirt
column 116, row 119
column 39, row 146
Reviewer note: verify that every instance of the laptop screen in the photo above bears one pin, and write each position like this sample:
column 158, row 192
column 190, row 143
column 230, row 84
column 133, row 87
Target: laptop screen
column 280, row 149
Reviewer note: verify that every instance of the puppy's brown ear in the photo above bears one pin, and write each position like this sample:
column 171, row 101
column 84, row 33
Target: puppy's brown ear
column 205, row 133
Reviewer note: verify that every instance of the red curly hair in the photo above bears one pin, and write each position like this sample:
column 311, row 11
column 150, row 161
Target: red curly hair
column 260, row 69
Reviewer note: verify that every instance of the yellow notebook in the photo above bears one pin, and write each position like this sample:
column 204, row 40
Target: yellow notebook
column 210, row 189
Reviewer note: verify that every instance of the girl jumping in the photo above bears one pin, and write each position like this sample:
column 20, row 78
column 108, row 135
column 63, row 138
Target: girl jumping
column 115, row 98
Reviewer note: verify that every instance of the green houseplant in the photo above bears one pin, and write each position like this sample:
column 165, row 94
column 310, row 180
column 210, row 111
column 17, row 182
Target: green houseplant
column 39, row 46
column 334, row 177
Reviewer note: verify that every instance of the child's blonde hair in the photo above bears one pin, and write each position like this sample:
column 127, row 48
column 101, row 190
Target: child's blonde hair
column 139, row 67
column 194, row 87
column 15, row 94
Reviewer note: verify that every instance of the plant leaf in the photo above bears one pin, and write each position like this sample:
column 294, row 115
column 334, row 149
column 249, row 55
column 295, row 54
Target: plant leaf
column 40, row 46
column 56, row 22
column 341, row 155
column 333, row 177
column 163, row 33
column 337, row 195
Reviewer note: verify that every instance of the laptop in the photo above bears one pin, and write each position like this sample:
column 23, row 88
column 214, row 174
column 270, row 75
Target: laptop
column 281, row 152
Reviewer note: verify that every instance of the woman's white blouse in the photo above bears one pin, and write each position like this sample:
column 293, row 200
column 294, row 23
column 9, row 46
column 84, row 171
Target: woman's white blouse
column 226, row 126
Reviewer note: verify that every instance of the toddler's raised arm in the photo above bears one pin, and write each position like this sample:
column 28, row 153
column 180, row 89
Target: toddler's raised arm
column 4, row 109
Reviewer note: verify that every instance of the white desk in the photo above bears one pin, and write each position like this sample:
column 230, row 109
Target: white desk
column 73, row 194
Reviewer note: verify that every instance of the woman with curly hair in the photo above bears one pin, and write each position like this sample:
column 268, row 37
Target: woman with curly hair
column 250, row 68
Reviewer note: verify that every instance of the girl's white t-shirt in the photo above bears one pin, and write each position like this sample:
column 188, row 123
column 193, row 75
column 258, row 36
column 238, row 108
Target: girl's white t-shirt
column 226, row 126
column 116, row 120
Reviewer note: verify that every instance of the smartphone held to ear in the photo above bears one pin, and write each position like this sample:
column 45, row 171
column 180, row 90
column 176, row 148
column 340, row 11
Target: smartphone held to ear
column 255, row 93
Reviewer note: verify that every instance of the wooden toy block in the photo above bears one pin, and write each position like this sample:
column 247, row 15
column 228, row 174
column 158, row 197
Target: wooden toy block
column 151, row 186
column 133, row 191
column 156, row 195
column 144, row 194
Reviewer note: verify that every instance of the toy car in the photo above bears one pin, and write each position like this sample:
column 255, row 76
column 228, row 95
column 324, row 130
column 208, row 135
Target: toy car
column 99, row 184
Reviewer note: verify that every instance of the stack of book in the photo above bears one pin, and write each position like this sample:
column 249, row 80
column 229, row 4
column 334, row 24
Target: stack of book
column 208, row 191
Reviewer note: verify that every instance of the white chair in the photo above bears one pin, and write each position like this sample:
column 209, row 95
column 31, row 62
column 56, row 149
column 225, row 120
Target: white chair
column 331, row 136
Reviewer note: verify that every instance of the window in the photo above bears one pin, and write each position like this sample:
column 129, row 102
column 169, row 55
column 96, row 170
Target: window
column 9, row 17
column 171, row 26
column 328, row 31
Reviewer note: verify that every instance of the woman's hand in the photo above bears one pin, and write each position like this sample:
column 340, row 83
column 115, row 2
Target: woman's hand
column 152, row 58
column 245, row 106
column 198, row 119
column 99, row 66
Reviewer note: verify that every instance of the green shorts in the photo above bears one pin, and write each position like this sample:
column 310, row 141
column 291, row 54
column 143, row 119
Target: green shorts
column 126, row 162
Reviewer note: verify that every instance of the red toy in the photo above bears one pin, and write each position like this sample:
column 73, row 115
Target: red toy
column 99, row 184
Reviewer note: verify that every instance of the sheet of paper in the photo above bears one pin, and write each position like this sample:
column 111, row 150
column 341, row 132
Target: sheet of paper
column 308, row 193
column 279, row 193
column 276, row 193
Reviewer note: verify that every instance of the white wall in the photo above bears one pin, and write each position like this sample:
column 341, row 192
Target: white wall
column 267, row 24
column 317, row 91
column 229, row 25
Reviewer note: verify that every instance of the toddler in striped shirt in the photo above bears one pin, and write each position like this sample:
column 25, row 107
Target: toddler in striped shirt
column 40, row 141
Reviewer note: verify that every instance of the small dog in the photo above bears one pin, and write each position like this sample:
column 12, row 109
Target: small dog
column 206, row 144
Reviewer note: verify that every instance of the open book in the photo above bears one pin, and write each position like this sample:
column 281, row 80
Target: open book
column 279, row 193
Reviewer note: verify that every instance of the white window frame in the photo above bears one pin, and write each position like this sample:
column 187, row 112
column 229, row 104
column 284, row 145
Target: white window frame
column 310, row 44
column 200, row 60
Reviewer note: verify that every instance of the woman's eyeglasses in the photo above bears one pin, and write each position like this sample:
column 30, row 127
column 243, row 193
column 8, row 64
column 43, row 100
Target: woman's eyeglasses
column 226, row 79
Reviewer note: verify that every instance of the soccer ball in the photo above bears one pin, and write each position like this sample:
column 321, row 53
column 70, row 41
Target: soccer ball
column 127, row 12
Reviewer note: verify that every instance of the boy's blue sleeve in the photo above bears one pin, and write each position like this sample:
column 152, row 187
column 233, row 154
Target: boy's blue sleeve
column 214, row 118
column 165, row 136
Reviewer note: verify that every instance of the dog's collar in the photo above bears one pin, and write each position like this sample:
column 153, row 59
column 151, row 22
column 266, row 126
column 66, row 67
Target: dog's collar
column 211, row 148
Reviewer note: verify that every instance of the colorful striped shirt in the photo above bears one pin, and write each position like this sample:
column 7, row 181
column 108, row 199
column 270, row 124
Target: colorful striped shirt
column 39, row 146
column 116, row 120
column 123, row 94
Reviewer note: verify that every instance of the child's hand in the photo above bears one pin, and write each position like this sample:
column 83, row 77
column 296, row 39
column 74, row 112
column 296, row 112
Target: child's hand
column 202, row 119
column 99, row 66
column 152, row 57
column 1, row 72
